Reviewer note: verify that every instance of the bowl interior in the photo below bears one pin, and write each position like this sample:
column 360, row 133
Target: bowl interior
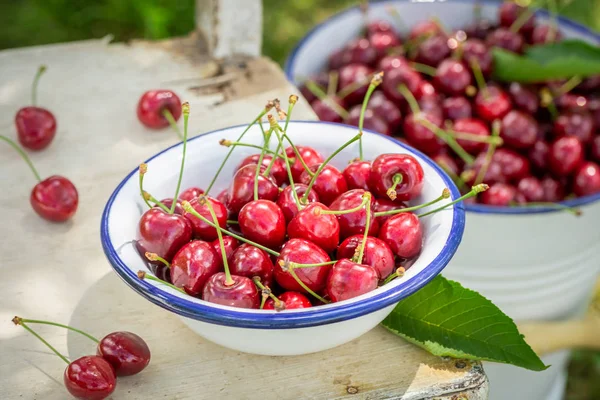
column 442, row 230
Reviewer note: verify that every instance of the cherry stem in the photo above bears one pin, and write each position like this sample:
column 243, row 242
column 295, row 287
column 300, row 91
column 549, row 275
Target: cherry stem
column 296, row 265
column 521, row 20
column 375, row 81
column 354, row 86
column 324, row 163
column 363, row 244
column 142, row 171
column 569, row 85
column 148, row 196
column 186, row 115
column 233, row 222
column 308, row 290
column 489, row 154
column 475, row 190
column 321, row 95
column 36, row 79
column 292, row 100
column 424, row 69
column 266, row 292
column 272, row 162
column 457, row 179
column 189, row 209
column 18, row 321
column 36, row 321
column 365, row 199
column 332, row 83
column 229, row 143
column 262, row 114
column 297, row 154
column 289, row 170
column 410, row 99
column 23, row 155
column 396, row 180
column 204, row 201
column 169, row 117
column 448, row 139
column 471, row 137
column 445, row 195
column 260, row 160
column 547, row 101
column 156, row 257
column 575, row 211
column 479, row 78
column 143, row 275
column 398, row 273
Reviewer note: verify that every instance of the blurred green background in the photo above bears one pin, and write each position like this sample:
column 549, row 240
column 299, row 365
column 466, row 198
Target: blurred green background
column 34, row 22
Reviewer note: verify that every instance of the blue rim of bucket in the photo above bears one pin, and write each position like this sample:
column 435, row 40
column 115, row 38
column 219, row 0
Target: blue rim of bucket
column 476, row 208
column 285, row 320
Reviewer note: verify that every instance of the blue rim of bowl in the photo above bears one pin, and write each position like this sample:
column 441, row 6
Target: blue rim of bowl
column 475, row 208
column 301, row 318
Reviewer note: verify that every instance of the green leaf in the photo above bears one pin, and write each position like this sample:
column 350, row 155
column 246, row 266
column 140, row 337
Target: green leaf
column 562, row 60
column 448, row 320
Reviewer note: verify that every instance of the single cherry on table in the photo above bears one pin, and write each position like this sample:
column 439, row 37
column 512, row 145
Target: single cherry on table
column 157, row 109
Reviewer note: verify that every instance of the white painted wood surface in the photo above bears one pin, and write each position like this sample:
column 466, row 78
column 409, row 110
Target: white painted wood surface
column 59, row 272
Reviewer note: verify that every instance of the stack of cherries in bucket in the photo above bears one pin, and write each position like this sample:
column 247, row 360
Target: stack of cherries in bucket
column 532, row 143
column 290, row 230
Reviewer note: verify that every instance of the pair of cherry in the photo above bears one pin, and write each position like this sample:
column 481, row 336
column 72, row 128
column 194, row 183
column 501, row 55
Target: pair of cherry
column 95, row 377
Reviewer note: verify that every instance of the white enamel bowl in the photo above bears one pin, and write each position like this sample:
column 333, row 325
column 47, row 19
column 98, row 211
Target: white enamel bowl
column 289, row 332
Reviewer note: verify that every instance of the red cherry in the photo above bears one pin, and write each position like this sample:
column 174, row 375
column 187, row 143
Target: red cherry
column 262, row 221
column 337, row 59
column 383, row 42
column 241, row 189
column 573, row 102
column 125, row 351
column 565, row 155
column 386, row 110
column 479, row 29
column 287, row 202
column 524, row 97
column 385, row 204
column 586, row 180
column 386, row 166
column 223, row 197
column 229, row 242
column 169, row 202
column 448, row 163
column 330, row 183
column 324, row 110
column 514, row 166
column 506, row 39
column 499, row 194
column 379, row 26
column 250, row 261
column 308, row 154
column 389, row 63
column 452, row 77
column 433, row 50
column 321, row 80
column 277, row 170
column 36, row 127
column 377, row 254
column 292, row 300
column 553, row 190
column 312, row 225
column 162, row 233
column 152, row 106
column 348, row 279
column 302, row 251
column 492, row 103
column 90, row 378
column 357, row 174
column 203, row 230
column 360, row 51
column 519, row 130
column 474, row 50
column 396, row 77
column 420, row 136
column 538, row 154
column 426, row 93
column 354, row 223
column 55, row 199
column 531, row 189
column 579, row 125
column 193, row 264
column 456, row 107
column 241, row 293
column 509, row 12
column 371, row 121
column 425, row 29
column 352, row 74
column 546, row 33
column 189, row 194
column 404, row 234
column 474, row 127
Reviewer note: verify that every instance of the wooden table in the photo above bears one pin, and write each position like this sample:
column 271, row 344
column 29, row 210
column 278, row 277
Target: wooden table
column 59, row 272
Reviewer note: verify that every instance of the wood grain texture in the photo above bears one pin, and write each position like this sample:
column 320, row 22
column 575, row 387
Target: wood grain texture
column 59, row 272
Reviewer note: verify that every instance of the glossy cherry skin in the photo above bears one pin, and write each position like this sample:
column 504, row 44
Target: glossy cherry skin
column 262, row 221
column 403, row 234
column 54, row 199
column 223, row 197
column 420, row 136
column 354, row 223
column 383, row 169
column 90, row 378
column 479, row 29
column 229, row 243
column 475, row 127
column 312, row 225
column 553, row 190
column 357, row 174
column 545, row 33
column 152, row 104
column 586, row 180
column 385, row 204
column 308, row 154
column 321, row 80
column 277, row 170
column 169, row 202
column 329, row 184
column 456, row 107
column 36, row 127
column 241, row 294
column 426, row 93
column 383, row 42
column 352, row 74
column 452, row 77
column 193, row 264
column 203, row 230
column 519, row 130
column 492, row 103
column 565, row 156
column 378, row 26
column 250, row 261
column 391, row 62
column 506, row 39
column 395, row 77
column 162, row 233
column 579, row 125
column 595, row 149
column 287, row 202
column 292, row 300
column 425, row 28
column 433, row 50
column 514, row 165
column 302, row 251
column 538, row 155
column 349, row 279
column 190, row 194
column 125, row 351
column 574, row 102
column 499, row 194
column 524, row 97
column 474, row 50
column 324, row 110
column 493, row 174
column 386, row 110
column 241, row 189
column 377, row 254
column 359, row 51
column 371, row 121
column 531, row 189
column 509, row 12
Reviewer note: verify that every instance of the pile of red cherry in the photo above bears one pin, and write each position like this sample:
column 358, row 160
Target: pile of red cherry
column 95, row 377
column 293, row 233
column 551, row 144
